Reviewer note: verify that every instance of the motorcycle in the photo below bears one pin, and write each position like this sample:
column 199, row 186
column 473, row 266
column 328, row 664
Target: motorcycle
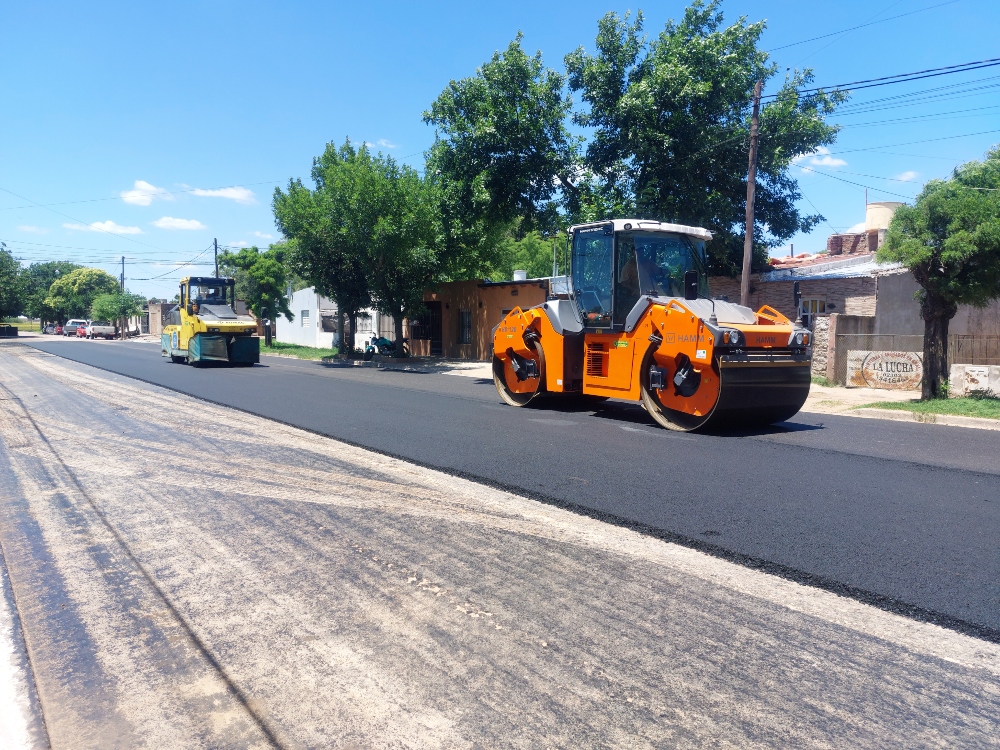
column 379, row 345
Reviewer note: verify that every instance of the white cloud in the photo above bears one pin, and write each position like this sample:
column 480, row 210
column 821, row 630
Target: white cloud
column 142, row 194
column 856, row 229
column 263, row 235
column 820, row 158
column 384, row 143
column 908, row 176
column 169, row 222
column 239, row 243
column 33, row 230
column 103, row 226
column 238, row 194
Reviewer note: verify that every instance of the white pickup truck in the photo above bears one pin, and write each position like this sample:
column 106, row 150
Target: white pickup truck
column 100, row 329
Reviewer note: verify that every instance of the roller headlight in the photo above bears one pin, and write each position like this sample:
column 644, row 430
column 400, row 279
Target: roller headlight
column 731, row 337
column 799, row 338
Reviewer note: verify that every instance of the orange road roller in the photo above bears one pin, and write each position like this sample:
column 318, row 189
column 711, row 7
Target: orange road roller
column 638, row 324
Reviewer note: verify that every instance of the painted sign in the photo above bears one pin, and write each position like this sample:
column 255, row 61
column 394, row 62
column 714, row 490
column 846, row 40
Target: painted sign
column 896, row 370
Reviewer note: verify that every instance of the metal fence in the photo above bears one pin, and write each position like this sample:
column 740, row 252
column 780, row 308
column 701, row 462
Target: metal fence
column 962, row 349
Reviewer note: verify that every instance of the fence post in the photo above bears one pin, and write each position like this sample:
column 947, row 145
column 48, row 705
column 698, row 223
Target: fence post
column 831, row 349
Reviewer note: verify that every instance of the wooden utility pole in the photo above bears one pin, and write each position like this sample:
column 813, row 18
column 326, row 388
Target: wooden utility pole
column 751, row 186
column 216, row 243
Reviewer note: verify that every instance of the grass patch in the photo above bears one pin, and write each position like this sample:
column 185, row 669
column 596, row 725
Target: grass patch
column 294, row 350
column 823, row 381
column 21, row 325
column 985, row 408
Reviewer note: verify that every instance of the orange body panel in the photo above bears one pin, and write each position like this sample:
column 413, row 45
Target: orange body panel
column 612, row 361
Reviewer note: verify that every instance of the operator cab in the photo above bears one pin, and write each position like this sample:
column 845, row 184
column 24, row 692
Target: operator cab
column 615, row 263
column 199, row 291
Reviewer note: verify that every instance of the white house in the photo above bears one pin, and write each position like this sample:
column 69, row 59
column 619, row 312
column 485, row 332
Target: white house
column 315, row 322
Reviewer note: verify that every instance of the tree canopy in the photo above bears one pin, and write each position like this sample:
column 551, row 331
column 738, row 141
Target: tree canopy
column 668, row 123
column 71, row 296
column 116, row 306
column 261, row 279
column 39, row 277
column 950, row 240
column 12, row 285
column 369, row 233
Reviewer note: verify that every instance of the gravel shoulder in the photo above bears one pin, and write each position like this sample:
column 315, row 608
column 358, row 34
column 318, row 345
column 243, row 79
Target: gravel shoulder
column 192, row 576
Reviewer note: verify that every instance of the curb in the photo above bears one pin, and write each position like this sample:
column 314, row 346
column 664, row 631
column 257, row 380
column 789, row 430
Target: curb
column 949, row 420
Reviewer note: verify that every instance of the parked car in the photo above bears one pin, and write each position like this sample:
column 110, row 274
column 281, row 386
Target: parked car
column 49, row 328
column 58, row 331
column 100, row 329
column 72, row 325
column 81, row 331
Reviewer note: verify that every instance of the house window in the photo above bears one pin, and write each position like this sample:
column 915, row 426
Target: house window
column 304, row 317
column 809, row 308
column 465, row 326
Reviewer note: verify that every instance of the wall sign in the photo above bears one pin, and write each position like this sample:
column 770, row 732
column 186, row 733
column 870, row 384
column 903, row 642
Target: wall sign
column 897, row 370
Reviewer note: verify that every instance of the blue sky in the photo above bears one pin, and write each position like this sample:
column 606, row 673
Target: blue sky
column 170, row 124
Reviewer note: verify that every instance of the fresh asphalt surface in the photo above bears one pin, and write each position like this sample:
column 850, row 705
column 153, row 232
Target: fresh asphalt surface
column 906, row 516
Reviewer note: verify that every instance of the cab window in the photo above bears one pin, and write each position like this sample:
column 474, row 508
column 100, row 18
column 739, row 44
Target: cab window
column 593, row 269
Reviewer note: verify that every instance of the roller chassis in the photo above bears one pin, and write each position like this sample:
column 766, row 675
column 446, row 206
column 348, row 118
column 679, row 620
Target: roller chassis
column 667, row 357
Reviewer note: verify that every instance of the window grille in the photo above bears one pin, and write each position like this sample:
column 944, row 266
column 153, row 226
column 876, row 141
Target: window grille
column 465, row 326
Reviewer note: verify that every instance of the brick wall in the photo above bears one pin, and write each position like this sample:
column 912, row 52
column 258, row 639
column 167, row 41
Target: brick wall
column 854, row 296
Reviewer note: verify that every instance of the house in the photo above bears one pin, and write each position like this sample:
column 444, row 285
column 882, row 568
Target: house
column 854, row 303
column 314, row 323
column 460, row 316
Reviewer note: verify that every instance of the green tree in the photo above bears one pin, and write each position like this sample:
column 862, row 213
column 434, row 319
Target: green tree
column 71, row 296
column 329, row 238
column 532, row 253
column 261, row 279
column 950, row 241
column 402, row 256
column 12, row 285
column 117, row 305
column 504, row 151
column 670, row 119
column 39, row 277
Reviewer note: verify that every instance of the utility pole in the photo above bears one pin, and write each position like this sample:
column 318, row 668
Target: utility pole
column 751, row 186
column 123, row 273
column 215, row 242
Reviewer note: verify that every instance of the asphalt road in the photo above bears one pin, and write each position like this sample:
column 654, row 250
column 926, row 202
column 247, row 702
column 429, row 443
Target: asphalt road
column 903, row 516
column 191, row 576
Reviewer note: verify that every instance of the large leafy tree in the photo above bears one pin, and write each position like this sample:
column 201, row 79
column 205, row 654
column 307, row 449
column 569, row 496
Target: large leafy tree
column 504, row 151
column 950, row 241
column 72, row 295
column 12, row 286
column 261, row 279
column 670, row 119
column 329, row 239
column 403, row 248
column 119, row 305
column 39, row 277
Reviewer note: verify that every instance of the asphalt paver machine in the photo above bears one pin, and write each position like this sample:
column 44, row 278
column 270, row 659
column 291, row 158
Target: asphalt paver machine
column 205, row 327
column 638, row 324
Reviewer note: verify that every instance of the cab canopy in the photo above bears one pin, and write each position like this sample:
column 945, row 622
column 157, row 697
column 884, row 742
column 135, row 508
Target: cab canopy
column 615, row 263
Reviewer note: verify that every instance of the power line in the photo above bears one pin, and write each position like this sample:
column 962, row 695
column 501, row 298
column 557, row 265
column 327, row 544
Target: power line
column 855, row 28
column 97, row 228
column 901, row 77
column 181, row 265
column 910, row 143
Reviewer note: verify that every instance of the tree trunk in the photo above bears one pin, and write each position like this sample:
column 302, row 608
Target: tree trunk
column 340, row 328
column 397, row 323
column 353, row 316
column 937, row 313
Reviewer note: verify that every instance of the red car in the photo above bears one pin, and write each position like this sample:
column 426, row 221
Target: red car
column 81, row 332
column 58, row 331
